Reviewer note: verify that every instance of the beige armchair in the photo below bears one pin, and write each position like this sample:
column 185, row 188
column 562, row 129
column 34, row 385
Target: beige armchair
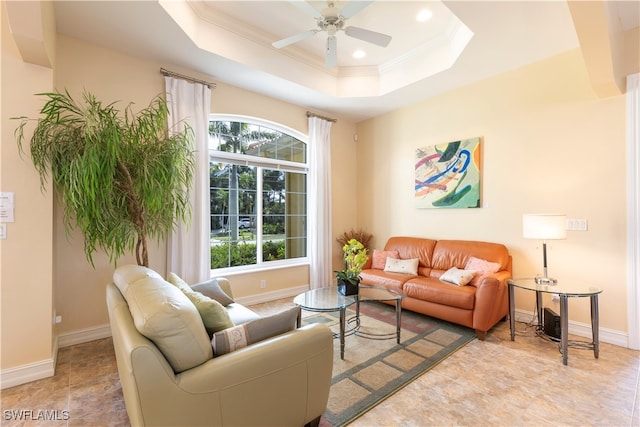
column 281, row 381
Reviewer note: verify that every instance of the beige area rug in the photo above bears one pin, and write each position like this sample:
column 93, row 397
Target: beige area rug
column 374, row 369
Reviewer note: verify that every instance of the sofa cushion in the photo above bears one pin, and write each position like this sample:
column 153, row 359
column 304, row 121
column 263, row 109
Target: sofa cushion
column 254, row 331
column 162, row 313
column 456, row 253
column 438, row 292
column 240, row 314
column 213, row 314
column 482, row 268
column 403, row 266
column 458, row 276
column 379, row 258
column 413, row 247
column 382, row 278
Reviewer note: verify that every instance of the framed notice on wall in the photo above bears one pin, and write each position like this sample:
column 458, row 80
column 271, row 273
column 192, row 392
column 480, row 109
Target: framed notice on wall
column 448, row 175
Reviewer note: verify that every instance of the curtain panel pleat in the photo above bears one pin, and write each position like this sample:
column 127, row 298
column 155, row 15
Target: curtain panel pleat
column 188, row 248
column 319, row 214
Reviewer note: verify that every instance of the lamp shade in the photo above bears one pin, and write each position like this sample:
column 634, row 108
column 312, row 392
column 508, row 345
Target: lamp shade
column 544, row 226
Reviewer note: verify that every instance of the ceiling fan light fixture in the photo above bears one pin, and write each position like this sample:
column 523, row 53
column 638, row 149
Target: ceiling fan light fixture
column 331, row 20
column 424, row 15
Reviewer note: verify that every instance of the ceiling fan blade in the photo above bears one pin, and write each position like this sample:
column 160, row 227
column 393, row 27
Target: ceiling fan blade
column 331, row 58
column 368, row 36
column 307, row 8
column 353, row 7
column 293, row 39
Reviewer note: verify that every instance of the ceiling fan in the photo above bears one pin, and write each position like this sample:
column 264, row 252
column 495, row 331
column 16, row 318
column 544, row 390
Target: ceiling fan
column 332, row 20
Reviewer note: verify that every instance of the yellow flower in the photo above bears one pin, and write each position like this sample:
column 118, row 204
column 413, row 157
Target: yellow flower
column 355, row 257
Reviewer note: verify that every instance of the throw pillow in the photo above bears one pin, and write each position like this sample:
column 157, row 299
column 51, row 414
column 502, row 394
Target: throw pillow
column 482, row 268
column 457, row 276
column 213, row 314
column 379, row 258
column 212, row 289
column 257, row 330
column 404, row 266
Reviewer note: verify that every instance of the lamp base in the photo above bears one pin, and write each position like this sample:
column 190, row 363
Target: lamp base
column 546, row 281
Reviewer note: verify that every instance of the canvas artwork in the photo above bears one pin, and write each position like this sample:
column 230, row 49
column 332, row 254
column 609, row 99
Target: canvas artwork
column 448, row 175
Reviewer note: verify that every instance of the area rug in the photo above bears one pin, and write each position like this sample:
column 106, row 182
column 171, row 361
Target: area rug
column 374, row 369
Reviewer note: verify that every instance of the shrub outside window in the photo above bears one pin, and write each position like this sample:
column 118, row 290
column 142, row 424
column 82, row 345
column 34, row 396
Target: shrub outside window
column 258, row 189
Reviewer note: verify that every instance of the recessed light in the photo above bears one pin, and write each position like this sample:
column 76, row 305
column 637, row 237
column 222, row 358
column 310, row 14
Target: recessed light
column 359, row 54
column 424, row 15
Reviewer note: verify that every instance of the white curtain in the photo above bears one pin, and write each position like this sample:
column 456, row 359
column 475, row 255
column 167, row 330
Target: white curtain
column 319, row 214
column 188, row 248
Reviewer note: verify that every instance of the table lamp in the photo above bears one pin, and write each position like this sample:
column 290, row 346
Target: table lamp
column 544, row 227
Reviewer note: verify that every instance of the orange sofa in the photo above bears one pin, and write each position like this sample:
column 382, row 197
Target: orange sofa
column 478, row 305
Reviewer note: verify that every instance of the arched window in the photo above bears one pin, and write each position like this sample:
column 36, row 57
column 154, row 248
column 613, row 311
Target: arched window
column 258, row 187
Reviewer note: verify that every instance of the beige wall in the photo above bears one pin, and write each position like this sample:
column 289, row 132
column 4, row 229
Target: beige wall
column 549, row 146
column 113, row 76
column 26, row 285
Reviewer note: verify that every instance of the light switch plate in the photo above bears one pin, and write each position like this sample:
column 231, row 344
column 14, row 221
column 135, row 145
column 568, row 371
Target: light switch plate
column 579, row 224
column 3, row 231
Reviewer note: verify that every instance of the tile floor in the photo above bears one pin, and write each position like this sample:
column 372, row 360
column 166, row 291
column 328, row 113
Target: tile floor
column 490, row 383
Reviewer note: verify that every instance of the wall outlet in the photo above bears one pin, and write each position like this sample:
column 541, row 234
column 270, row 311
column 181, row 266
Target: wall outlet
column 263, row 284
column 57, row 319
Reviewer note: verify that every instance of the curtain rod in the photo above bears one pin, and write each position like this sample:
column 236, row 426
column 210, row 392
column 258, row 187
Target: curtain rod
column 310, row 114
column 191, row 79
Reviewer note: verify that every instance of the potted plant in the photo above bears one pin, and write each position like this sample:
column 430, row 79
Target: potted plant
column 121, row 177
column 354, row 257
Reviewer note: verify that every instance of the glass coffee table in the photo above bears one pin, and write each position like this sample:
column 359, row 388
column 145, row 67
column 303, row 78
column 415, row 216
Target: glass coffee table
column 329, row 300
column 378, row 293
column 326, row 300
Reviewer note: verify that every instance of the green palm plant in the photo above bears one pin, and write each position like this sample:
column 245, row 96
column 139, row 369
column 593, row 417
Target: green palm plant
column 121, row 177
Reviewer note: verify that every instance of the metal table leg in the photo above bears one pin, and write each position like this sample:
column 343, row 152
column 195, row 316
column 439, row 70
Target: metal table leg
column 564, row 327
column 512, row 310
column 342, row 316
column 540, row 310
column 398, row 318
column 595, row 325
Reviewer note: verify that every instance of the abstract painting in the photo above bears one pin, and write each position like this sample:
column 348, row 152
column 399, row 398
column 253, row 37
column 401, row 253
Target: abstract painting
column 448, row 175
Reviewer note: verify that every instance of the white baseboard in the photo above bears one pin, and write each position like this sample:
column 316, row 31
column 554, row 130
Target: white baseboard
column 84, row 335
column 610, row 336
column 46, row 368
column 26, row 373
column 272, row 296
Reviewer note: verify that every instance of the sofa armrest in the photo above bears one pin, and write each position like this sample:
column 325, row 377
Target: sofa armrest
column 367, row 265
column 492, row 301
column 225, row 285
column 284, row 380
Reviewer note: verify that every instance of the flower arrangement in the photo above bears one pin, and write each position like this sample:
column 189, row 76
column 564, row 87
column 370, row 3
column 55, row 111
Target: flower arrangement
column 355, row 257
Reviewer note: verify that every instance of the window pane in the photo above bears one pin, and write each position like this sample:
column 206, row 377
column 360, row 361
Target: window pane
column 255, row 140
column 284, row 214
column 234, row 188
column 233, row 205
